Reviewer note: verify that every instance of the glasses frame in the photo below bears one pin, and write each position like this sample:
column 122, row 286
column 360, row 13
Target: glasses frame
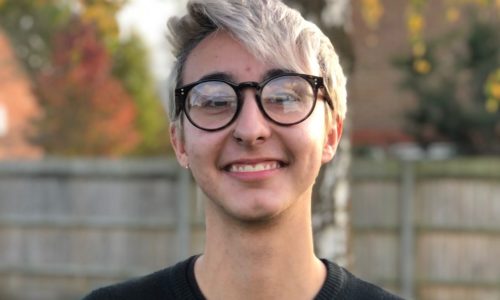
column 316, row 83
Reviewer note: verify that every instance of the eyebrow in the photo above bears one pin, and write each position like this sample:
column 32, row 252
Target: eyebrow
column 275, row 72
column 218, row 76
column 229, row 77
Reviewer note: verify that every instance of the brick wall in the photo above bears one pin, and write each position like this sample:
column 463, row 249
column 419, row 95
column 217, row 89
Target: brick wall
column 376, row 104
column 17, row 107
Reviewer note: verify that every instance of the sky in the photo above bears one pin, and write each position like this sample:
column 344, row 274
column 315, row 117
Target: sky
column 149, row 19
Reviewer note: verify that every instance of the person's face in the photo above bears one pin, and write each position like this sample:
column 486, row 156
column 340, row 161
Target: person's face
column 253, row 169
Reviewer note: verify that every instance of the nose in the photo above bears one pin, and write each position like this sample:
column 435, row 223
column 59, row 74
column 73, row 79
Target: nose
column 251, row 127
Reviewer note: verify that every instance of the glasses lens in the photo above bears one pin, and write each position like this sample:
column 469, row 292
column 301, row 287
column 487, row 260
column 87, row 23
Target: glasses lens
column 211, row 105
column 288, row 99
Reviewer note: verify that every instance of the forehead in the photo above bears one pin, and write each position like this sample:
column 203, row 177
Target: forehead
column 220, row 53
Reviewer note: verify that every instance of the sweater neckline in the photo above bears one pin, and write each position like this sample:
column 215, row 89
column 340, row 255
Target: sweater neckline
column 334, row 281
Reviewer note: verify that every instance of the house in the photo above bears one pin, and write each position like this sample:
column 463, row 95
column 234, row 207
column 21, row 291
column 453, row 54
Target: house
column 376, row 106
column 17, row 107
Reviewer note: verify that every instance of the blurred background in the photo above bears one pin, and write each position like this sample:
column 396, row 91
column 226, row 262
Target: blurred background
column 90, row 192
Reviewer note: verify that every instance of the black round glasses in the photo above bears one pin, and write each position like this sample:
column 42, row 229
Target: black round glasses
column 285, row 99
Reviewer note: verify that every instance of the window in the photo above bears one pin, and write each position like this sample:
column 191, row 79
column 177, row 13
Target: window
column 3, row 120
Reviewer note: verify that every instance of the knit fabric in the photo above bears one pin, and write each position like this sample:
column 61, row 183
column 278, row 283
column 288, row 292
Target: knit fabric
column 178, row 282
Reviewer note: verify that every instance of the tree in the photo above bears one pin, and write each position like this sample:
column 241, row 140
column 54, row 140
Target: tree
column 32, row 26
column 441, row 114
column 330, row 191
column 86, row 110
column 463, row 112
column 130, row 66
column 102, row 15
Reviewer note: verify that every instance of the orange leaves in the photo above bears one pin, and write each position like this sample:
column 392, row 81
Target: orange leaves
column 88, row 112
column 78, row 46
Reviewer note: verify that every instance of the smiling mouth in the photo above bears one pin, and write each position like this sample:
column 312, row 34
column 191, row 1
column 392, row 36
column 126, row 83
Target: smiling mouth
column 258, row 167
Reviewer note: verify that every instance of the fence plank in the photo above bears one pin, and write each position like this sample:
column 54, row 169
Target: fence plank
column 457, row 226
column 69, row 226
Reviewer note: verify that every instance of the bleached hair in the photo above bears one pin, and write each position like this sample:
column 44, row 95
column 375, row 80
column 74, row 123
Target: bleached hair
column 269, row 29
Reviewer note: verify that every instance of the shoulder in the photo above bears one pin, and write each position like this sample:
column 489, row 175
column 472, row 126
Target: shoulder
column 344, row 285
column 163, row 284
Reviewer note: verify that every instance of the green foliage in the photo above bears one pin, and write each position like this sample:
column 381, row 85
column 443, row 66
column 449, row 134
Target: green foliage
column 131, row 67
column 449, row 84
column 30, row 26
column 35, row 28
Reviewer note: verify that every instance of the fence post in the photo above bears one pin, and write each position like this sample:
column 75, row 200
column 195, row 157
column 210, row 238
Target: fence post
column 183, row 215
column 407, row 266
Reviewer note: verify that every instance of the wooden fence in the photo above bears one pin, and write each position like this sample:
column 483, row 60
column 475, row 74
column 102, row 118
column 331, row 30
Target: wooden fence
column 429, row 230
column 69, row 226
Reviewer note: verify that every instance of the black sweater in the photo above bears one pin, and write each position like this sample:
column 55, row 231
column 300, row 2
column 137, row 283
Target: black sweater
column 178, row 282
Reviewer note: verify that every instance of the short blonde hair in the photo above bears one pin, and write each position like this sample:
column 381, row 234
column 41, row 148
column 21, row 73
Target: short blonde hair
column 269, row 29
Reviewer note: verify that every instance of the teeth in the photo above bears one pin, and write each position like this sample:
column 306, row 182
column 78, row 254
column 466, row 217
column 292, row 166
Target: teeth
column 254, row 168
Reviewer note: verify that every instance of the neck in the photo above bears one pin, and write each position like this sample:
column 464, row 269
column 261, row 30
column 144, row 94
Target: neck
column 272, row 259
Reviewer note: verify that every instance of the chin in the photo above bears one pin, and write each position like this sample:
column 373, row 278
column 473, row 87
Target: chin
column 262, row 213
column 251, row 208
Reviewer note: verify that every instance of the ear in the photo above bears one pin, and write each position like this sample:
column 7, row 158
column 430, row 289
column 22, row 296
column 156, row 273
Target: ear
column 332, row 140
column 177, row 141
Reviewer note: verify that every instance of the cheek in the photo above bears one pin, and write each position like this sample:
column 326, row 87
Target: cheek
column 197, row 154
column 315, row 137
column 308, row 145
column 317, row 127
column 202, row 148
column 200, row 162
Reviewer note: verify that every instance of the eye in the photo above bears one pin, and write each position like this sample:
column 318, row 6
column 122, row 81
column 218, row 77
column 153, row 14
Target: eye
column 282, row 98
column 217, row 102
column 211, row 96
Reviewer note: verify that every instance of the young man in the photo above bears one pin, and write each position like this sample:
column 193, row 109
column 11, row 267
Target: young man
column 257, row 105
